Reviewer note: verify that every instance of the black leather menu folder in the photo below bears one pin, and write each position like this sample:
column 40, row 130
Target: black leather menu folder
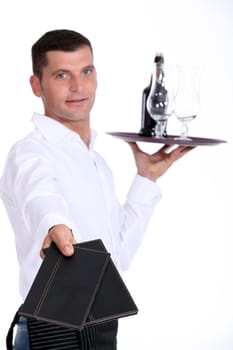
column 80, row 290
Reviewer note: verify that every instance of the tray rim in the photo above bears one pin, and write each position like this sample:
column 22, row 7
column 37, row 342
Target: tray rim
column 169, row 139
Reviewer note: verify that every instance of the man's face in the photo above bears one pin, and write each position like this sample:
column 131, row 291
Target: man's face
column 68, row 85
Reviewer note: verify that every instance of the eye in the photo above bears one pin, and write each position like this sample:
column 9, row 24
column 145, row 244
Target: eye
column 61, row 75
column 88, row 71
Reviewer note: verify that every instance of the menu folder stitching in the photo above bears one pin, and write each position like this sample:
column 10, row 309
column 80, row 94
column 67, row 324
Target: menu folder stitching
column 80, row 290
column 44, row 293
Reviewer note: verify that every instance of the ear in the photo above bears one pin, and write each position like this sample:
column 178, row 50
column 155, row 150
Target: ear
column 35, row 85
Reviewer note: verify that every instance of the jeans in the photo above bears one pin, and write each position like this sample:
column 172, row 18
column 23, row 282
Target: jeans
column 21, row 341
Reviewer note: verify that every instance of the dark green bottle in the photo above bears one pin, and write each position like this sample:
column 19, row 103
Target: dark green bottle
column 147, row 123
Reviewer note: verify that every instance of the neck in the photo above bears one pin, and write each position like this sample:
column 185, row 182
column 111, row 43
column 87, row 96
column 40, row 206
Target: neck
column 81, row 127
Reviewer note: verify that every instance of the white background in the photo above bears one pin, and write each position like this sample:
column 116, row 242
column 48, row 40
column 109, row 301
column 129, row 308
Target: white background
column 181, row 278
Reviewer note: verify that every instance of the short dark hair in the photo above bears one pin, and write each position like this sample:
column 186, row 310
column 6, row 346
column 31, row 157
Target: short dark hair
column 55, row 40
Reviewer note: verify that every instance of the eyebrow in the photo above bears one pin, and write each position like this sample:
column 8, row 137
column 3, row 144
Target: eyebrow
column 59, row 70
column 90, row 66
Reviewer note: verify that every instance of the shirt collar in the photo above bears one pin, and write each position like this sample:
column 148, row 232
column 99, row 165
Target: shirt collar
column 56, row 132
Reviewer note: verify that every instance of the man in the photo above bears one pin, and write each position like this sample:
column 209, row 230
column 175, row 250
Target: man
column 55, row 187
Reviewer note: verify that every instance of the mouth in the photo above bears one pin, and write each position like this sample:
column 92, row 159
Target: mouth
column 76, row 101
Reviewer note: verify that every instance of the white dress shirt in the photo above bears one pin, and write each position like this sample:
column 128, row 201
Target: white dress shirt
column 51, row 177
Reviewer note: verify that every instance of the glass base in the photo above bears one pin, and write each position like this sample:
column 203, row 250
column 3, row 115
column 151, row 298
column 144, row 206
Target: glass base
column 159, row 137
column 186, row 138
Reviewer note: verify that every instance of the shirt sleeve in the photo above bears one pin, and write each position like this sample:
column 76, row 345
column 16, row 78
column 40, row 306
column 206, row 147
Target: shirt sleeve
column 29, row 186
column 135, row 214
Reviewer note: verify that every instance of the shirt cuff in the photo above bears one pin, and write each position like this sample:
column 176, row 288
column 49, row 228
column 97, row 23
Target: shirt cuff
column 144, row 190
column 52, row 220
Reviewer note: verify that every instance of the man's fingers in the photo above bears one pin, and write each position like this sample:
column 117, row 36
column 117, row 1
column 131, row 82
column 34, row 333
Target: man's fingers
column 64, row 240
column 134, row 147
column 45, row 245
column 182, row 150
column 63, row 237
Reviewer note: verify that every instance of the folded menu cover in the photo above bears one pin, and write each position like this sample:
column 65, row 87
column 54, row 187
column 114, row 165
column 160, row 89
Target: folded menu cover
column 80, row 290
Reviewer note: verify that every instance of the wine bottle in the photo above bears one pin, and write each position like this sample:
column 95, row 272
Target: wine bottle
column 157, row 102
column 147, row 123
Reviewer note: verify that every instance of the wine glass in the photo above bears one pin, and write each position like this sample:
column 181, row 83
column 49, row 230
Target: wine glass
column 160, row 101
column 187, row 99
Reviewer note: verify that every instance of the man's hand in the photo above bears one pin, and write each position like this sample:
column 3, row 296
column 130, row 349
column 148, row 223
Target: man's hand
column 155, row 165
column 62, row 236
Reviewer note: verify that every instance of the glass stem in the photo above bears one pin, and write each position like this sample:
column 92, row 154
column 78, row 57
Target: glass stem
column 184, row 129
column 160, row 128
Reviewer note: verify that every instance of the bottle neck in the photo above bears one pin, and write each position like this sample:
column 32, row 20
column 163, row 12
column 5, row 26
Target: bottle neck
column 158, row 74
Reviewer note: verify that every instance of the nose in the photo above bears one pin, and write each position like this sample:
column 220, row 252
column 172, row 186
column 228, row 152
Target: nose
column 75, row 84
